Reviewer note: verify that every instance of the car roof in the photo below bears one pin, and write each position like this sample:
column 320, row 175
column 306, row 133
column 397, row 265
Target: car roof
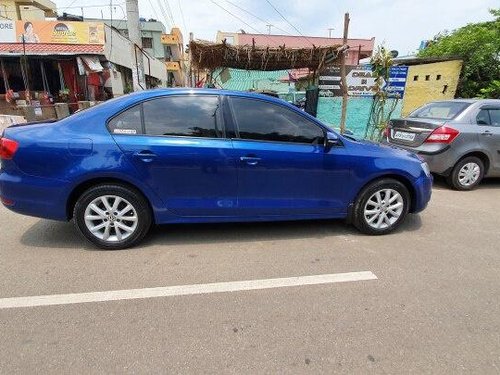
column 474, row 100
column 189, row 90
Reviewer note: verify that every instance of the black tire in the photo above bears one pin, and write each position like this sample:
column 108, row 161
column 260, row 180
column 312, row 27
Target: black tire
column 359, row 219
column 453, row 179
column 142, row 214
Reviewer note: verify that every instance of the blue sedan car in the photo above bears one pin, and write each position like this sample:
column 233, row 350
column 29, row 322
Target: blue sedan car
column 186, row 156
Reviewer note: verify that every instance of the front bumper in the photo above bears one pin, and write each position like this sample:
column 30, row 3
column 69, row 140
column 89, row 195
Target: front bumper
column 423, row 193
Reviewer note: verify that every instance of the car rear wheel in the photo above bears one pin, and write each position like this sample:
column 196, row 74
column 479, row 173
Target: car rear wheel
column 381, row 207
column 112, row 217
column 466, row 174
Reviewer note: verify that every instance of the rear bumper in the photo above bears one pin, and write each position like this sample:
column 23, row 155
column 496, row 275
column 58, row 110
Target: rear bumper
column 440, row 158
column 34, row 196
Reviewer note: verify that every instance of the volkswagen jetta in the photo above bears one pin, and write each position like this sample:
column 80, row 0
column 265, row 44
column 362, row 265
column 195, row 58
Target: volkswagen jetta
column 185, row 156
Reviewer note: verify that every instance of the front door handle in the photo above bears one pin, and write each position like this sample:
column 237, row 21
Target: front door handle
column 487, row 133
column 250, row 160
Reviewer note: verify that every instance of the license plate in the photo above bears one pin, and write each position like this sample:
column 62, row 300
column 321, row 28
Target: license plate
column 405, row 136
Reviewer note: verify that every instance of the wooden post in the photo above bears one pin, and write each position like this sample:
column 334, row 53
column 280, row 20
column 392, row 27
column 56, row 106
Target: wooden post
column 343, row 76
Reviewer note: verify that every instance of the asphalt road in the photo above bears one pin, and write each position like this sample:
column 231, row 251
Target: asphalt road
column 434, row 307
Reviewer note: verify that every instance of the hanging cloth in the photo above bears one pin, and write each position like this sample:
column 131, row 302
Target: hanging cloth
column 4, row 76
column 45, row 82
column 61, row 77
column 24, row 73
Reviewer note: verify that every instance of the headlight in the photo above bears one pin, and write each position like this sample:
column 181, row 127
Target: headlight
column 426, row 169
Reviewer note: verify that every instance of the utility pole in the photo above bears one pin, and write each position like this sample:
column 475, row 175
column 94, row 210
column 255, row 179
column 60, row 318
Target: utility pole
column 330, row 32
column 134, row 34
column 269, row 28
column 343, row 75
column 192, row 82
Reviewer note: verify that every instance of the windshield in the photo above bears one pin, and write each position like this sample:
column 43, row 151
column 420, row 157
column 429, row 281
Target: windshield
column 440, row 110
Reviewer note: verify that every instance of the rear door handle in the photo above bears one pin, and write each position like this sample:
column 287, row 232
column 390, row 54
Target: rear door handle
column 145, row 155
column 250, row 160
column 487, row 133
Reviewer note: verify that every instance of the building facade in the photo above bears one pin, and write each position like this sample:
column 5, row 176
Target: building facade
column 175, row 57
column 151, row 32
column 28, row 10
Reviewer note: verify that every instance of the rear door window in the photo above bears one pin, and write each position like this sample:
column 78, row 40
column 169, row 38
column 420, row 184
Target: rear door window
column 483, row 117
column 488, row 116
column 495, row 116
column 183, row 115
column 261, row 120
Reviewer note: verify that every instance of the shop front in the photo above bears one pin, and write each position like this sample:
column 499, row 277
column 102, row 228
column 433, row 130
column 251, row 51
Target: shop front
column 47, row 62
column 43, row 63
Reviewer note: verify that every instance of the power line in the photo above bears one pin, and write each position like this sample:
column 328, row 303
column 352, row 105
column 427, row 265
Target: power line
column 69, row 7
column 257, row 17
column 182, row 16
column 288, row 22
column 169, row 11
column 241, row 20
column 162, row 11
column 111, row 33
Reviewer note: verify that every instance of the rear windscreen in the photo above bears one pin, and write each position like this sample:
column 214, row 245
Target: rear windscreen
column 440, row 110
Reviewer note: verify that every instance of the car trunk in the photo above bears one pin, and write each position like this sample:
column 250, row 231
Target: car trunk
column 411, row 131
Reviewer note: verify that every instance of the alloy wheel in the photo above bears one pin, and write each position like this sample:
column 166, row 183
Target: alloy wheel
column 383, row 208
column 111, row 218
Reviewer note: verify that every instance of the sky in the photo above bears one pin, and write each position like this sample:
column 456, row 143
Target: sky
column 399, row 25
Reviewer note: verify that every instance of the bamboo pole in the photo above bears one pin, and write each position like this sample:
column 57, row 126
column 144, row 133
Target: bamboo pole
column 343, row 76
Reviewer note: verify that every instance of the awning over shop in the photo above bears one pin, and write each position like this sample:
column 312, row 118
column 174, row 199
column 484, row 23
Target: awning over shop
column 17, row 49
column 90, row 64
column 250, row 57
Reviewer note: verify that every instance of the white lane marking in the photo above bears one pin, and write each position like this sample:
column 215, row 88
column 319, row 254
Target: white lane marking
column 183, row 290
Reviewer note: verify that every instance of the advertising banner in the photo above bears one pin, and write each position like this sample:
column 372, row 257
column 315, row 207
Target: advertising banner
column 397, row 81
column 360, row 81
column 57, row 32
column 7, row 31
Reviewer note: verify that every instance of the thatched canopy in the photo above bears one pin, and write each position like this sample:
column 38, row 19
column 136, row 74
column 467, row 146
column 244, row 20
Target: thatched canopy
column 212, row 56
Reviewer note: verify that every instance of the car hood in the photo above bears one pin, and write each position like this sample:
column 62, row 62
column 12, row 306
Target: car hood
column 385, row 149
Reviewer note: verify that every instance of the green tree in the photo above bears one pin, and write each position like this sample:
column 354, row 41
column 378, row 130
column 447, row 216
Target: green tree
column 478, row 45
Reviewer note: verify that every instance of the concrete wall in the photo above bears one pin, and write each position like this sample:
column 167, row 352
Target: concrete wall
column 27, row 10
column 158, row 49
column 31, row 13
column 424, row 84
column 118, row 50
column 149, row 29
column 8, row 9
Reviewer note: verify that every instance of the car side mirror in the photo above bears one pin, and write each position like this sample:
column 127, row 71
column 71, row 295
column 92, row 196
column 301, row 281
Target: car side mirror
column 332, row 140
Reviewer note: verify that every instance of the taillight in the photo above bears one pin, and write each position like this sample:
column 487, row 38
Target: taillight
column 385, row 133
column 442, row 134
column 8, row 148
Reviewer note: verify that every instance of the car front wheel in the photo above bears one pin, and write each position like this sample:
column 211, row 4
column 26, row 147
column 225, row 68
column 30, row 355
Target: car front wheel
column 112, row 217
column 381, row 207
